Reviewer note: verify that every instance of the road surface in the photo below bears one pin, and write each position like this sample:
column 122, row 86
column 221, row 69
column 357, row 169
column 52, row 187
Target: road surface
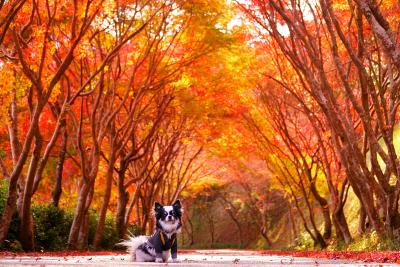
column 196, row 258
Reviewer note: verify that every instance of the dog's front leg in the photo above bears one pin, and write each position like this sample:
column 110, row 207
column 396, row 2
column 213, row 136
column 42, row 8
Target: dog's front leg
column 174, row 252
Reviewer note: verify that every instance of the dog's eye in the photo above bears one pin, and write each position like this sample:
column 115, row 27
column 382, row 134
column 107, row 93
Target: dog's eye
column 165, row 213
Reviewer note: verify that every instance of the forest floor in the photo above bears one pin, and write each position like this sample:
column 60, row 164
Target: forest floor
column 206, row 258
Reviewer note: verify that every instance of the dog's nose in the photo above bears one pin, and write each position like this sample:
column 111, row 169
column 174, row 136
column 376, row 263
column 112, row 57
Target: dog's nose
column 169, row 218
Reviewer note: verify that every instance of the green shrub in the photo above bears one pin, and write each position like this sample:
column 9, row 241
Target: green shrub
column 52, row 226
column 92, row 225
column 3, row 194
column 134, row 230
column 110, row 237
column 304, row 242
column 11, row 243
column 372, row 242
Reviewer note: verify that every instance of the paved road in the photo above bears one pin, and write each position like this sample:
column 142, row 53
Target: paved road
column 201, row 258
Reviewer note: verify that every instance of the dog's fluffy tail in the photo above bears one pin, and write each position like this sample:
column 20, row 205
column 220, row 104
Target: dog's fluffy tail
column 133, row 243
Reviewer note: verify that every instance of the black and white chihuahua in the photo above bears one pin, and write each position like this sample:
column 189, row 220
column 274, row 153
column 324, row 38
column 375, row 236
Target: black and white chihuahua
column 163, row 242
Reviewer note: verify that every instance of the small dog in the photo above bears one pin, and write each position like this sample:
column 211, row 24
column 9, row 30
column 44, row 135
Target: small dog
column 163, row 243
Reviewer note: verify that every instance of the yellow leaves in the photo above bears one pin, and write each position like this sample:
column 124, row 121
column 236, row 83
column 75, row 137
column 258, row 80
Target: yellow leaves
column 223, row 141
column 147, row 127
column 11, row 80
column 109, row 7
column 5, row 100
column 54, row 94
column 201, row 184
column 186, row 141
column 229, row 143
column 387, row 4
column 182, row 83
column 6, row 79
column 83, row 50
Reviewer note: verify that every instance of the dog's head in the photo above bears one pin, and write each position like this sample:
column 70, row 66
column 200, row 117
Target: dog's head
column 168, row 218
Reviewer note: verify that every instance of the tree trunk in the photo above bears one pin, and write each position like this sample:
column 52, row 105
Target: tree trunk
column 292, row 222
column 391, row 214
column 106, row 200
column 145, row 218
column 16, row 174
column 191, row 232
column 341, row 225
column 327, row 223
column 79, row 216
column 121, row 206
column 373, row 217
column 381, row 28
column 132, row 204
column 325, row 211
column 362, row 219
column 338, row 231
column 263, row 232
column 15, row 145
column 84, row 232
column 318, row 238
column 57, row 190
column 83, row 237
column 26, row 235
column 211, row 226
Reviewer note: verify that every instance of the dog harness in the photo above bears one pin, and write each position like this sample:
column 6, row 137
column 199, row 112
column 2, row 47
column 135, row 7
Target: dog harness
column 160, row 242
column 172, row 240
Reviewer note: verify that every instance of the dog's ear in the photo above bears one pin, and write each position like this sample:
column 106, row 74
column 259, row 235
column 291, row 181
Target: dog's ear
column 157, row 206
column 177, row 204
column 178, row 208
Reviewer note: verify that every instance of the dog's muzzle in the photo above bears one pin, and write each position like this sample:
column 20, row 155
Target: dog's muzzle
column 170, row 219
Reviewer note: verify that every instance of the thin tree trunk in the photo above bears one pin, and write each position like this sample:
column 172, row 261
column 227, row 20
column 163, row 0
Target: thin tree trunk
column 132, row 204
column 26, row 235
column 84, row 232
column 106, row 199
column 362, row 218
column 191, row 232
column 121, row 205
column 263, row 232
column 341, row 225
column 325, row 211
column 292, row 222
column 79, row 216
column 16, row 147
column 83, row 237
column 338, row 230
column 57, row 190
column 239, row 227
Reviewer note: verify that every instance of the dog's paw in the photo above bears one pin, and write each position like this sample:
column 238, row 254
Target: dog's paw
column 176, row 260
column 159, row 260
